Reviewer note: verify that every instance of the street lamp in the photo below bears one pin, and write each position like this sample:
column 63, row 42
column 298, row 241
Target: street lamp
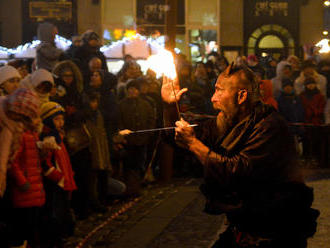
column 326, row 3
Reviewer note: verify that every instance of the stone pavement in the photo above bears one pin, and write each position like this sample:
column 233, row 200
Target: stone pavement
column 171, row 216
column 321, row 185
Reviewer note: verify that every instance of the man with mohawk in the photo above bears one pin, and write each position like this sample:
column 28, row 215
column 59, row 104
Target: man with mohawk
column 250, row 171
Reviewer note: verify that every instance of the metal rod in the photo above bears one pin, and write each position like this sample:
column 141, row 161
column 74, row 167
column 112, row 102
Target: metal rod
column 159, row 129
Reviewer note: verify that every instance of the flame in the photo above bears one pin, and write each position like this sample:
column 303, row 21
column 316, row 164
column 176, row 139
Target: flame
column 324, row 45
column 163, row 64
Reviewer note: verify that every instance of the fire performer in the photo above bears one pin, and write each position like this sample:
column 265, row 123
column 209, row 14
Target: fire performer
column 250, row 171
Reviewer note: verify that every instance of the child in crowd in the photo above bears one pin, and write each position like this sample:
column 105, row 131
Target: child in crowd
column 27, row 191
column 291, row 108
column 16, row 112
column 9, row 80
column 99, row 148
column 42, row 82
column 313, row 102
column 61, row 182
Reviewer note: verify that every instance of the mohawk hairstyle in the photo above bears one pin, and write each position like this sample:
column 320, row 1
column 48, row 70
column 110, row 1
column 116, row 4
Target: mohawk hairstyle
column 247, row 79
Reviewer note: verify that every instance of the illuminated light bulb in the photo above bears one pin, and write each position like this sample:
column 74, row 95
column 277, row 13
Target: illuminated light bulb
column 324, row 46
column 326, row 3
column 325, row 32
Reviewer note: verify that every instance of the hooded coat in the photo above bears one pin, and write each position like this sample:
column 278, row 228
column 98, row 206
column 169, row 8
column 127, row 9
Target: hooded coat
column 314, row 104
column 277, row 81
column 85, row 52
column 69, row 96
column 267, row 95
column 321, row 83
column 33, row 80
column 47, row 52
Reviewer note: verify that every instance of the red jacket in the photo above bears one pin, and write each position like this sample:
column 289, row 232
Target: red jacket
column 266, row 89
column 26, row 168
column 314, row 108
column 60, row 169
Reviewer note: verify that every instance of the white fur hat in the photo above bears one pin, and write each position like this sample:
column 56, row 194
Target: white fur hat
column 8, row 72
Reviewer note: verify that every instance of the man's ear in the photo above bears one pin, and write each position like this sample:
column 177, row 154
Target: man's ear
column 242, row 96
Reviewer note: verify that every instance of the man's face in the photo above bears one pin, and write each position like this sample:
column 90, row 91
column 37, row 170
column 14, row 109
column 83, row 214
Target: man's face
column 95, row 65
column 93, row 43
column 225, row 100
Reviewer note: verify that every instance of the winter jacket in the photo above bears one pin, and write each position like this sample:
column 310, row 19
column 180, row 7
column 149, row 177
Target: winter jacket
column 47, row 54
column 10, row 132
column 136, row 114
column 99, row 146
column 277, row 81
column 252, row 176
column 313, row 107
column 69, row 96
column 85, row 52
column 59, row 167
column 291, row 108
column 108, row 107
column 26, row 169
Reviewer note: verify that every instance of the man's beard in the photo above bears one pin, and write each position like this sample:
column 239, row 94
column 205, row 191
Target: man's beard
column 226, row 121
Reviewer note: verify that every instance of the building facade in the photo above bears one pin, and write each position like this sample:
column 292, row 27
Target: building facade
column 233, row 27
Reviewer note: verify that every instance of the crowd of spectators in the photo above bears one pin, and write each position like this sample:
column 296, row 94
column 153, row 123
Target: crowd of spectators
column 62, row 155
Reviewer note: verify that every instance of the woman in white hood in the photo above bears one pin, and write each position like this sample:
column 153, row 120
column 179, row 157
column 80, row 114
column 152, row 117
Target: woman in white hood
column 283, row 70
column 41, row 82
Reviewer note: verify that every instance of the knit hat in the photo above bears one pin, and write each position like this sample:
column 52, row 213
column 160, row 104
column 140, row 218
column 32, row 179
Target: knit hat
column 25, row 102
column 286, row 82
column 50, row 109
column 8, row 72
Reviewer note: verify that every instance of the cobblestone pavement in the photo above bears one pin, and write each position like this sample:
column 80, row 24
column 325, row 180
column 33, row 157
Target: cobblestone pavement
column 152, row 197
column 321, row 187
column 191, row 227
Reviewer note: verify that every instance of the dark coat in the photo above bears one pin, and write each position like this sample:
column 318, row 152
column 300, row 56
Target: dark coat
column 136, row 114
column 290, row 106
column 314, row 107
column 84, row 53
column 252, row 176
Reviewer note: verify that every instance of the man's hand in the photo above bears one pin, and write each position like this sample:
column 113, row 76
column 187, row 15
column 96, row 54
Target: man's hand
column 184, row 134
column 171, row 91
